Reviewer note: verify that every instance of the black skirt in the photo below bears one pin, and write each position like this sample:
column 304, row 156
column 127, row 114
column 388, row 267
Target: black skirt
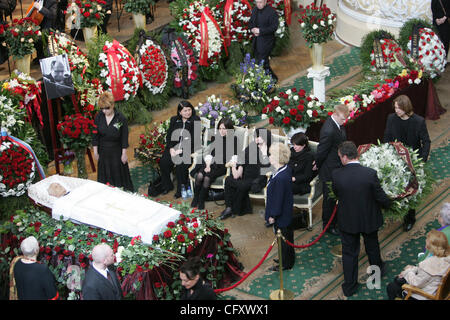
column 111, row 169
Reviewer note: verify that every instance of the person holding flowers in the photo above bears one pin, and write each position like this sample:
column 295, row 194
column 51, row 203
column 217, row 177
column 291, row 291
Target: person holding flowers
column 410, row 129
column 263, row 25
column 110, row 144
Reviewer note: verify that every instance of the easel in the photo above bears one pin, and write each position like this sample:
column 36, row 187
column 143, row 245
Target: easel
column 58, row 153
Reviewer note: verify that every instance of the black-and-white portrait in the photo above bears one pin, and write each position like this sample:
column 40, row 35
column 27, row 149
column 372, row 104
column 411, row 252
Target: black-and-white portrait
column 57, row 77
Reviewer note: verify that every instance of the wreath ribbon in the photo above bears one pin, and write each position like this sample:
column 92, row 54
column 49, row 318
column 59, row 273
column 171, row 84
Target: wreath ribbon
column 204, row 44
column 26, row 146
column 288, row 11
column 227, row 19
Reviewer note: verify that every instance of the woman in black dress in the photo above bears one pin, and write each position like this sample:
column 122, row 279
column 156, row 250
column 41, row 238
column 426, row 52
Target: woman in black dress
column 247, row 175
column 441, row 14
column 410, row 129
column 301, row 163
column 193, row 286
column 214, row 166
column 33, row 280
column 110, row 144
column 181, row 142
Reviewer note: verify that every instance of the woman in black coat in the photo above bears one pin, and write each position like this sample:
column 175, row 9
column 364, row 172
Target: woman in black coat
column 110, row 144
column 247, row 175
column 301, row 163
column 411, row 130
column 193, row 286
column 441, row 14
column 214, row 166
column 181, row 142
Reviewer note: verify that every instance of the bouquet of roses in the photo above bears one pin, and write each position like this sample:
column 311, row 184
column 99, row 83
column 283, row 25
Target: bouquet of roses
column 17, row 169
column 76, row 131
column 89, row 95
column 190, row 66
column 199, row 24
column 153, row 65
column 431, row 52
column 152, row 144
column 293, row 108
column 401, row 173
column 358, row 104
column 11, row 115
column 91, row 12
column 253, row 85
column 129, row 77
column 216, row 108
column 317, row 23
column 391, row 52
column 21, row 36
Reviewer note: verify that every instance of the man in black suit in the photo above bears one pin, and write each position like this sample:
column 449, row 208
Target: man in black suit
column 332, row 134
column 101, row 281
column 263, row 24
column 360, row 197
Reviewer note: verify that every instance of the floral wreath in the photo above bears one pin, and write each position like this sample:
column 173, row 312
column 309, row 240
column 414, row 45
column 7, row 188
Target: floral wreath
column 153, row 66
column 236, row 28
column 125, row 82
column 191, row 22
column 190, row 59
column 17, row 169
column 431, row 52
column 390, row 50
column 11, row 116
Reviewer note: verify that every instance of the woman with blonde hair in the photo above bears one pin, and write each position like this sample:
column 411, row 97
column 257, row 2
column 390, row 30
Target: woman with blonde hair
column 280, row 201
column 110, row 144
column 427, row 275
column 410, row 129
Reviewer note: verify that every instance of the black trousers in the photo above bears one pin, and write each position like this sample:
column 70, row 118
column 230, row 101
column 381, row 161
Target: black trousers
column 236, row 195
column 350, row 253
column 287, row 252
column 410, row 217
column 328, row 205
column 181, row 172
column 265, row 56
column 301, row 188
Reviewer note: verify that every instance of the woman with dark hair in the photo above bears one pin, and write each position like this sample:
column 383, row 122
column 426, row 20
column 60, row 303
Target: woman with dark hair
column 214, row 163
column 410, row 129
column 180, row 144
column 110, row 144
column 247, row 175
column 194, row 287
column 301, row 163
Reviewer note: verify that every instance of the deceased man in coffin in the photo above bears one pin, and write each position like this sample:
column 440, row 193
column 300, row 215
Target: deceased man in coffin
column 96, row 204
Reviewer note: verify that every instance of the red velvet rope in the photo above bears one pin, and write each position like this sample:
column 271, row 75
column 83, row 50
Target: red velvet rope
column 248, row 274
column 320, row 235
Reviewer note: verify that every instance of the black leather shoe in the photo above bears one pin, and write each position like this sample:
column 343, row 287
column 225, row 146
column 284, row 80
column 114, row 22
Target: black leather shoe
column 165, row 192
column 268, row 225
column 276, row 261
column 333, row 231
column 225, row 214
column 177, row 196
column 277, row 268
column 408, row 226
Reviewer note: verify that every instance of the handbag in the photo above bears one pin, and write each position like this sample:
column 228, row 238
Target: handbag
column 155, row 187
column 216, row 195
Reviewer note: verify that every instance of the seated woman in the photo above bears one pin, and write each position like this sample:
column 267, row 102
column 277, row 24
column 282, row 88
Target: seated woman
column 179, row 147
column 32, row 280
column 214, row 165
column 427, row 275
column 301, row 164
column 193, row 286
column 247, row 175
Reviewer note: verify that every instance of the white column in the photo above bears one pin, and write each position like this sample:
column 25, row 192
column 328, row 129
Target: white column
column 319, row 77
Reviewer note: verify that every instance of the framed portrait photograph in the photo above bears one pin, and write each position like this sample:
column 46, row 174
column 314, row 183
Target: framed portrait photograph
column 57, row 77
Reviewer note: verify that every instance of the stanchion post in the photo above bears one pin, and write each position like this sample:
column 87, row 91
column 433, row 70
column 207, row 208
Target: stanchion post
column 281, row 294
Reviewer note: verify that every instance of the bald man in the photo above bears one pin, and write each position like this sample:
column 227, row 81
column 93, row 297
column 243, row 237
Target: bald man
column 58, row 83
column 101, row 282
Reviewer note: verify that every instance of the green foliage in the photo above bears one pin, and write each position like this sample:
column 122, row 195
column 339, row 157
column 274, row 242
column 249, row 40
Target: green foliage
column 282, row 44
column 134, row 110
column 95, row 47
column 138, row 6
column 367, row 46
column 407, row 29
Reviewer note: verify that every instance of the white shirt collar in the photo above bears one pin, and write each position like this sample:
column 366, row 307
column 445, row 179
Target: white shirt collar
column 354, row 161
column 339, row 127
column 103, row 272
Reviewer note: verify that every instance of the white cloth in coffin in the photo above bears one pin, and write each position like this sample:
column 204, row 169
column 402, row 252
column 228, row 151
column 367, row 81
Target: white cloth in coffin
column 96, row 204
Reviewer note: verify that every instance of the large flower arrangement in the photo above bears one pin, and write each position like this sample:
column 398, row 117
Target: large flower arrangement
column 358, row 104
column 391, row 52
column 91, row 12
column 21, row 36
column 29, row 91
column 138, row 6
column 293, row 108
column 397, row 177
column 317, row 23
column 152, row 144
column 253, row 85
column 129, row 77
column 431, row 52
column 11, row 115
column 215, row 108
column 211, row 46
column 76, row 131
column 153, row 65
column 17, row 169
column 191, row 65
column 235, row 15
